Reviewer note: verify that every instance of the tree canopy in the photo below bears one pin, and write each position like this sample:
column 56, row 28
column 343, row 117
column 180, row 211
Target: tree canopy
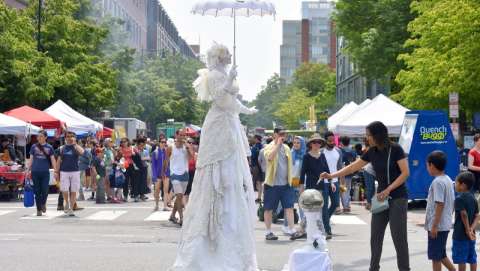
column 313, row 84
column 444, row 58
column 85, row 60
column 375, row 31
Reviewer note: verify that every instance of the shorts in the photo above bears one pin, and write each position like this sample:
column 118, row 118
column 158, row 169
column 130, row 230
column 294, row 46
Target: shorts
column 437, row 248
column 463, row 252
column 179, row 187
column 179, row 183
column 88, row 172
column 272, row 195
column 69, row 181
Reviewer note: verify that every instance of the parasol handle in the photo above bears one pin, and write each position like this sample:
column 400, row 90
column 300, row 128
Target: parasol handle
column 234, row 38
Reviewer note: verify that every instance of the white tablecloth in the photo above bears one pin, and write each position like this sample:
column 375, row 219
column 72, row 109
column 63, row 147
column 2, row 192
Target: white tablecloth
column 305, row 259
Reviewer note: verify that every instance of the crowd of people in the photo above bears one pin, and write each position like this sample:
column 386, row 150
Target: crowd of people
column 98, row 170
column 282, row 167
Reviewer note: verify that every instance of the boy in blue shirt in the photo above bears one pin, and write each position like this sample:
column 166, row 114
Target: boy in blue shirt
column 438, row 216
column 466, row 219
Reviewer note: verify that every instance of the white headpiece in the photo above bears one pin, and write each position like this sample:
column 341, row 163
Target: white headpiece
column 214, row 55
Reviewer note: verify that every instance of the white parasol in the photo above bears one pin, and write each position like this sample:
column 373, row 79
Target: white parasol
column 234, row 8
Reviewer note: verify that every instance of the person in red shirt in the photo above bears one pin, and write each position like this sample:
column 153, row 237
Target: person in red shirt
column 191, row 168
column 474, row 161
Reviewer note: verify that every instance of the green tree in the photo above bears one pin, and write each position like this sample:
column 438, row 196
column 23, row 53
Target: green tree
column 26, row 75
column 73, row 40
column 445, row 42
column 294, row 110
column 375, row 31
column 319, row 81
column 266, row 103
column 180, row 72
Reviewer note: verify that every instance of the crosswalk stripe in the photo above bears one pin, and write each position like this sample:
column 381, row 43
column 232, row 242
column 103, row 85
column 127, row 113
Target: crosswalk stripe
column 6, row 212
column 158, row 216
column 46, row 216
column 346, row 220
column 106, row 215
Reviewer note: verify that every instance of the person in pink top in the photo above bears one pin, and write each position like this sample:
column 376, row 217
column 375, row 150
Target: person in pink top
column 127, row 153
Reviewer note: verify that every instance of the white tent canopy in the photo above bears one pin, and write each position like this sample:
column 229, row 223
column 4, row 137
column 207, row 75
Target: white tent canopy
column 74, row 121
column 12, row 126
column 344, row 112
column 381, row 109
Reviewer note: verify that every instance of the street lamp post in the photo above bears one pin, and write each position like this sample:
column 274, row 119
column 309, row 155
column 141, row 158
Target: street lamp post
column 39, row 26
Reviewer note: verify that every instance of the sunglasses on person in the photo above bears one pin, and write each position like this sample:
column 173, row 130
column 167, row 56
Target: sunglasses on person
column 317, row 142
column 163, row 142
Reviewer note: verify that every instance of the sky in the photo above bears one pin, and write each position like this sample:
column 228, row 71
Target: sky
column 258, row 38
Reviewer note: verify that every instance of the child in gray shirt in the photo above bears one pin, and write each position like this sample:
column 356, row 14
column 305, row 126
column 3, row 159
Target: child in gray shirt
column 440, row 207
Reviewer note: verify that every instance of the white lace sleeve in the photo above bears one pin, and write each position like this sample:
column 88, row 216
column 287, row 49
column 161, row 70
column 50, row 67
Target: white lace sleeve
column 220, row 91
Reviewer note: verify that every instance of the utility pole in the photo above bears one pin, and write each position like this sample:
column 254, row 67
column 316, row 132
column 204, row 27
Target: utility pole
column 39, row 26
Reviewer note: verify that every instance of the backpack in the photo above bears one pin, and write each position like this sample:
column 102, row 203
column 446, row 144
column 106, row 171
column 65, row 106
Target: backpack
column 348, row 156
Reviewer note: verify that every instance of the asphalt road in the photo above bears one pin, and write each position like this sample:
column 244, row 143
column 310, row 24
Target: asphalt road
column 131, row 237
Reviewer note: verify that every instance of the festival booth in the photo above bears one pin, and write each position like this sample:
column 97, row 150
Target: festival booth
column 13, row 126
column 192, row 130
column 38, row 118
column 424, row 132
column 73, row 120
column 381, row 109
column 107, row 132
column 340, row 115
column 12, row 175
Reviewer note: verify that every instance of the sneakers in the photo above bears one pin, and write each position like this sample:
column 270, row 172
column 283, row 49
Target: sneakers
column 286, row 231
column 39, row 213
column 329, row 236
column 271, row 237
column 60, row 208
column 69, row 212
column 113, row 200
column 298, row 235
column 44, row 208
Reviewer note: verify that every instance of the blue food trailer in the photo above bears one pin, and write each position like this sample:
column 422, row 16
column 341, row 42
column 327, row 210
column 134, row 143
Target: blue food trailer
column 424, row 132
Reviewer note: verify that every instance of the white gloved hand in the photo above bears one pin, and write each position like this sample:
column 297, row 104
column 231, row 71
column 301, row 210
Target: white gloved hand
column 233, row 73
column 253, row 110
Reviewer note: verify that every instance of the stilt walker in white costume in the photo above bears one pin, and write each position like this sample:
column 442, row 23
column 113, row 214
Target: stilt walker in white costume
column 218, row 228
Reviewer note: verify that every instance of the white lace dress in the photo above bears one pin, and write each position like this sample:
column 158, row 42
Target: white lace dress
column 218, row 228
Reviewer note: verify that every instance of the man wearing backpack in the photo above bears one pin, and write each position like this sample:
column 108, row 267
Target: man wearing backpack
column 68, row 171
column 349, row 156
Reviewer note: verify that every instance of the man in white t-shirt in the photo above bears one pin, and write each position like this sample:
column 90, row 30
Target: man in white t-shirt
column 333, row 157
column 179, row 155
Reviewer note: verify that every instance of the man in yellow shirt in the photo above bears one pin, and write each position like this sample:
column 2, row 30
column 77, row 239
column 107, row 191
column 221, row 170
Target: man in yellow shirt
column 278, row 182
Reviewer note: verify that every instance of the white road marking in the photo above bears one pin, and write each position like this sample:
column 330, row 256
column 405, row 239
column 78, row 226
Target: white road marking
column 158, row 216
column 6, row 212
column 12, row 234
column 118, row 235
column 46, row 216
column 346, row 220
column 106, row 215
